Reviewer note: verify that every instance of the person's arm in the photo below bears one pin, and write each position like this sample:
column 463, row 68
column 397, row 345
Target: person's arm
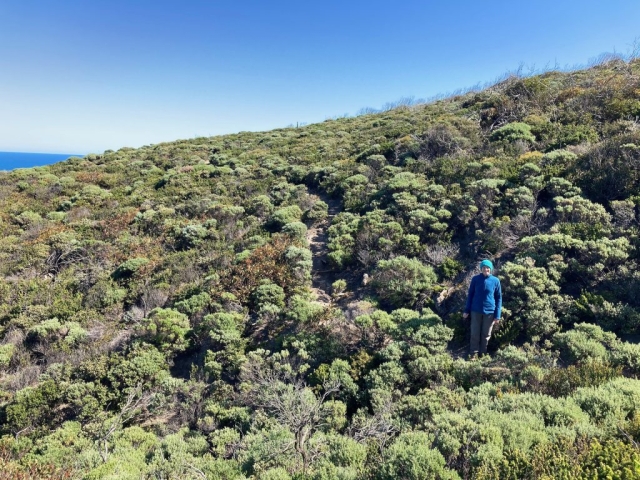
column 497, row 295
column 467, row 308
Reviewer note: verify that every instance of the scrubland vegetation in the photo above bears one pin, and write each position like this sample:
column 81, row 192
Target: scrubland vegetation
column 157, row 320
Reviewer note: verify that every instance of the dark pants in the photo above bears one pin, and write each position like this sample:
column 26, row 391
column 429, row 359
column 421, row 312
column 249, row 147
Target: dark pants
column 481, row 326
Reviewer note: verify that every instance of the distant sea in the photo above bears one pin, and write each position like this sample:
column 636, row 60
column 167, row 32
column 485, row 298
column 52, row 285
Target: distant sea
column 11, row 160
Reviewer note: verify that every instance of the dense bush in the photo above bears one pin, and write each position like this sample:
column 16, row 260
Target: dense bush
column 411, row 457
column 167, row 329
column 512, row 132
column 399, row 281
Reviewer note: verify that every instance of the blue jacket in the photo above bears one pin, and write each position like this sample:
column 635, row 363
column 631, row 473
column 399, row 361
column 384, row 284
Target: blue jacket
column 485, row 296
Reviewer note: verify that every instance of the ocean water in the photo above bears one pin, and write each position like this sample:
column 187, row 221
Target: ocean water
column 11, row 160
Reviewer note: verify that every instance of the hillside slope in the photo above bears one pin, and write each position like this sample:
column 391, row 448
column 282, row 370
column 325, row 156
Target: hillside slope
column 163, row 314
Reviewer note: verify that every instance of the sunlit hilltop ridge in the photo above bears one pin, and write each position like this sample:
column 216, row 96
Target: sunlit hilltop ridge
column 288, row 304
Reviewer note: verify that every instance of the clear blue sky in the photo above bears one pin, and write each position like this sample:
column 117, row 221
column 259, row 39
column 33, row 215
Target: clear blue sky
column 83, row 76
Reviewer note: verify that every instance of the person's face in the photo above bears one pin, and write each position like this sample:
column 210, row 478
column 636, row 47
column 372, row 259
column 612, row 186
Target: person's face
column 486, row 271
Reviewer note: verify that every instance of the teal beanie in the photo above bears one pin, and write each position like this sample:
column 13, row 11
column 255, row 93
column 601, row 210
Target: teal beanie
column 486, row 263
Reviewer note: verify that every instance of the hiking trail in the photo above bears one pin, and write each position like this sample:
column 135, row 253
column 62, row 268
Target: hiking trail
column 321, row 274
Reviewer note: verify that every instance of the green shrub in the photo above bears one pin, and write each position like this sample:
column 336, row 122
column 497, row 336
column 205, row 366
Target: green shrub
column 167, row 329
column 449, row 268
column 103, row 294
column 572, row 135
column 190, row 236
column 300, row 260
column 556, row 162
column 338, row 287
column 260, row 206
column 52, row 330
column 6, row 353
column 611, row 459
column 194, row 304
column 512, row 132
column 33, row 407
column 399, row 281
column 561, row 382
column 28, row 218
column 627, row 356
column 141, row 364
column 297, row 230
column 411, row 457
column 268, row 293
column 300, row 310
column 318, row 212
column 611, row 403
column 285, row 215
column 129, row 267
column 346, row 452
column 585, row 341
column 567, row 459
column 532, row 298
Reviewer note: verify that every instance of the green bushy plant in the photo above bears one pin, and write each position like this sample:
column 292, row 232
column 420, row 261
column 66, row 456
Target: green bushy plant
column 129, row 267
column 512, row 132
column 411, row 457
column 401, row 280
column 167, row 329
column 296, row 230
column 285, row 215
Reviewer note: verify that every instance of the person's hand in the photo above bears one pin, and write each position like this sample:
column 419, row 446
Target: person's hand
column 465, row 315
column 496, row 320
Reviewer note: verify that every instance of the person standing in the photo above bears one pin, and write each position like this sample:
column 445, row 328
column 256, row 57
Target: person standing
column 484, row 304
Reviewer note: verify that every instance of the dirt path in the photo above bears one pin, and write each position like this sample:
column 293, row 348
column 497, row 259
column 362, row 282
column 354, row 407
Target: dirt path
column 321, row 274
